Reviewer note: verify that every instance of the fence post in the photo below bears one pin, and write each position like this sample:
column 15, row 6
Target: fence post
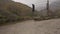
column 47, row 7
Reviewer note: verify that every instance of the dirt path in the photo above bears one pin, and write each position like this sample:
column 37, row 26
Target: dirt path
column 33, row 27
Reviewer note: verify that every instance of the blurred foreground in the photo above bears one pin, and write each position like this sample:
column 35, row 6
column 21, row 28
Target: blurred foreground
column 32, row 27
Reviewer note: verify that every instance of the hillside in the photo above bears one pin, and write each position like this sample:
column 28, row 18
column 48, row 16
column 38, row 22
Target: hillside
column 13, row 11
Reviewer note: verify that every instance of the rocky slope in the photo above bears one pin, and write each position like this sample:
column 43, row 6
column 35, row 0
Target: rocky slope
column 12, row 11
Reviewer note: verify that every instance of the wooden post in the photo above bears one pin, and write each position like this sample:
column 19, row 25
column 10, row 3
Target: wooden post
column 47, row 7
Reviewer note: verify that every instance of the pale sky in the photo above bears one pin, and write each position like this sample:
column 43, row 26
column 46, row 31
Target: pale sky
column 40, row 4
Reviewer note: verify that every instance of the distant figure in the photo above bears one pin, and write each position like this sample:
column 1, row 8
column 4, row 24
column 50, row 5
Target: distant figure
column 33, row 10
column 33, row 7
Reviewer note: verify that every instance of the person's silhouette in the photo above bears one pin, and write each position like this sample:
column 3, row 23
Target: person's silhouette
column 33, row 7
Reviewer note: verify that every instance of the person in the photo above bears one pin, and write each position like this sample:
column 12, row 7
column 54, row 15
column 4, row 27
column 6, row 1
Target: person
column 33, row 7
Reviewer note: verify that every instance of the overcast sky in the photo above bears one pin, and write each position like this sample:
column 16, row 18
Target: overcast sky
column 40, row 4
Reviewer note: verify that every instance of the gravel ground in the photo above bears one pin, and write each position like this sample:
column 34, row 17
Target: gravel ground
column 32, row 27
